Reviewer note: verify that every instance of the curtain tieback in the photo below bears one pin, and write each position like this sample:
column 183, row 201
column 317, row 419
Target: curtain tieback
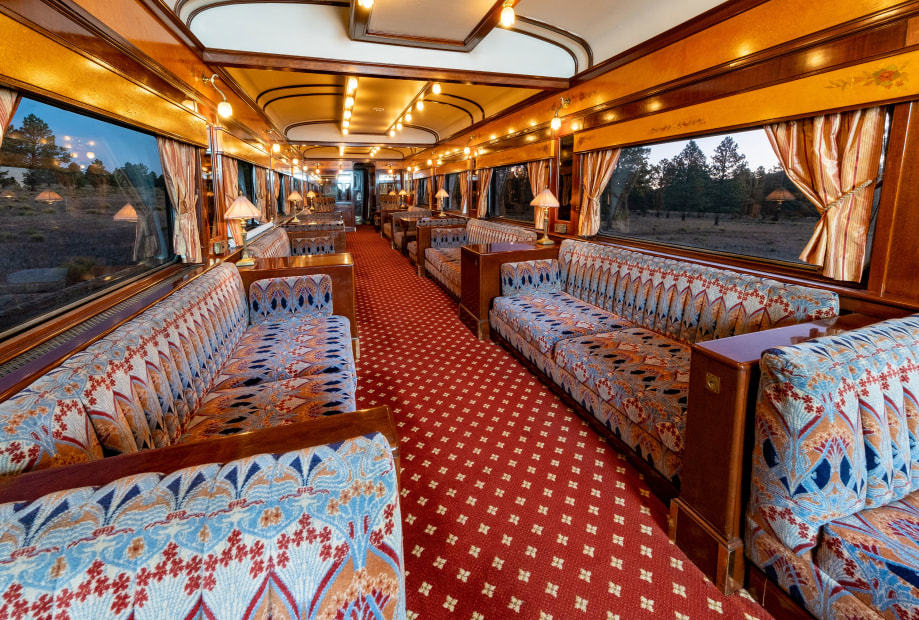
column 851, row 192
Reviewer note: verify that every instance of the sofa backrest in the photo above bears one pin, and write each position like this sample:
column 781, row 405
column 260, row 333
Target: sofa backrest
column 323, row 204
column 451, row 237
column 687, row 302
column 305, row 246
column 133, row 389
column 316, row 226
column 482, row 231
column 272, row 243
column 836, row 429
column 276, row 299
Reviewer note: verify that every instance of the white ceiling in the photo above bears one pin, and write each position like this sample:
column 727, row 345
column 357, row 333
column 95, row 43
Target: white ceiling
column 395, row 63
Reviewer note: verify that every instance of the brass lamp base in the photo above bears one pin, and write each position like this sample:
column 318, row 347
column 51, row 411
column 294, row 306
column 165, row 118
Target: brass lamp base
column 545, row 241
column 245, row 262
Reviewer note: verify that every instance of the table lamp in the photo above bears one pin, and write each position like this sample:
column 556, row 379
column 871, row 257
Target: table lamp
column 310, row 195
column 402, row 195
column 242, row 209
column 545, row 200
column 294, row 198
column 442, row 193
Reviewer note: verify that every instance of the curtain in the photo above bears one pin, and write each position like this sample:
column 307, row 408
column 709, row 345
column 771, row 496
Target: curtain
column 833, row 160
column 277, row 190
column 261, row 193
column 230, row 184
column 464, row 190
column 9, row 100
column 430, row 185
column 484, row 187
column 538, row 171
column 179, row 161
column 596, row 169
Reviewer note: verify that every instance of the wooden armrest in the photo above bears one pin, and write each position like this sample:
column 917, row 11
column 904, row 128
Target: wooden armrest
column 32, row 485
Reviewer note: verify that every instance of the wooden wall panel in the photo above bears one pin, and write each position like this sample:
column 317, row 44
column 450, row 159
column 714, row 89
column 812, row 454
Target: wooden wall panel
column 531, row 152
column 229, row 144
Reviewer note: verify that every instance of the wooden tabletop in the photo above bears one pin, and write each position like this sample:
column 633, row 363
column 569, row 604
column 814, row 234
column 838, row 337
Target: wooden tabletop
column 312, row 260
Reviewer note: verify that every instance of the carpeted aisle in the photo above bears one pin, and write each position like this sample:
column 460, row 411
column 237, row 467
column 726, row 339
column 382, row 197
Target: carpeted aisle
column 512, row 507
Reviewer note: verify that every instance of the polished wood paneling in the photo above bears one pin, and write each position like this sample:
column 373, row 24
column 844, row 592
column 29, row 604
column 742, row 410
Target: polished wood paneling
column 531, row 152
column 457, row 166
column 33, row 485
column 228, row 144
column 772, row 598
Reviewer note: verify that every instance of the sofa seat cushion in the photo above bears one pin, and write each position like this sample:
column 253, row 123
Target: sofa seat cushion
column 545, row 319
column 243, row 409
column 387, row 230
column 440, row 256
column 277, row 351
column 412, row 250
column 639, row 372
column 874, row 554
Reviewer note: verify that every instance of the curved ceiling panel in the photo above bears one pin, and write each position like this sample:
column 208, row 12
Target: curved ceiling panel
column 331, row 133
column 282, row 29
column 455, row 21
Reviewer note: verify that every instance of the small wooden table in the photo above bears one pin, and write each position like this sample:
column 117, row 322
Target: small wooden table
column 480, row 277
column 706, row 520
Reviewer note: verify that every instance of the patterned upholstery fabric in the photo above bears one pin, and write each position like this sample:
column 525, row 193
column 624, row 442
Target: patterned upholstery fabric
column 404, row 224
column 448, row 276
column 45, row 425
column 276, row 351
column 273, row 243
column 138, row 387
column 835, row 460
column 613, row 328
column 323, row 204
column 482, row 231
column 448, row 237
column 317, row 529
column 290, row 298
column 305, row 246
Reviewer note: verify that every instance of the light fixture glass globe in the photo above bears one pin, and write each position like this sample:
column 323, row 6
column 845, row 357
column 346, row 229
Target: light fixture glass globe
column 555, row 123
column 508, row 16
column 349, row 102
column 352, row 82
column 276, row 148
column 420, row 105
column 399, row 126
column 344, row 131
column 436, row 88
column 408, row 117
column 392, row 132
column 224, row 109
column 347, row 113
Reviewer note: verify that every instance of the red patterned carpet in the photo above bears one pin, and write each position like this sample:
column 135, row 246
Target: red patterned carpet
column 512, row 506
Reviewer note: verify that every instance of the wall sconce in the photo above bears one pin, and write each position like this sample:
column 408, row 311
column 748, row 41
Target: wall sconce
column 507, row 14
column 556, row 122
column 224, row 109
column 365, row 4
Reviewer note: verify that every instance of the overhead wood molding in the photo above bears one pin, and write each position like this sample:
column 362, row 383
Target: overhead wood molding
column 281, row 62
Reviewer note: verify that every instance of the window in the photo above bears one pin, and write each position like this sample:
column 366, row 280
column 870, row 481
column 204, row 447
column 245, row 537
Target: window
column 246, row 180
column 422, row 185
column 282, row 194
column 452, row 185
column 84, row 208
column 726, row 193
column 565, row 161
column 510, row 194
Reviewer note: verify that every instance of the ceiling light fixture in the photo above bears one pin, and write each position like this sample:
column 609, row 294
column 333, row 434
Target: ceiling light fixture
column 224, row 109
column 399, row 125
column 419, row 105
column 276, row 147
column 344, row 131
column 436, row 88
column 295, row 161
column 507, row 14
column 349, row 102
column 408, row 117
column 392, row 132
column 365, row 4
column 347, row 114
column 352, row 84
column 346, row 124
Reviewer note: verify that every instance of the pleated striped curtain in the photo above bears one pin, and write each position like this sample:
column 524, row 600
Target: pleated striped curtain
column 834, row 160
column 179, row 161
column 596, row 169
column 538, row 172
column 430, row 185
column 464, row 190
column 484, row 188
column 261, row 193
column 277, row 190
column 230, row 184
column 9, row 100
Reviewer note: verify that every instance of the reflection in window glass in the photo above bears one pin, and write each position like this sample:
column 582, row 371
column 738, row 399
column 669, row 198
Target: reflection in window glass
column 726, row 193
column 246, row 180
column 452, row 185
column 510, row 194
column 422, row 191
column 84, row 207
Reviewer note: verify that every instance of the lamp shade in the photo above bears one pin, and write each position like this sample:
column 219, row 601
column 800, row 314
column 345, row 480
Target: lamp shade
column 402, row 192
column 295, row 195
column 242, row 209
column 780, row 194
column 311, row 194
column 545, row 198
column 49, row 196
column 127, row 213
column 441, row 193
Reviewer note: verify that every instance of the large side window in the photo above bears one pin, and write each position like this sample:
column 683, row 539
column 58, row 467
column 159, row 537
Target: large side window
column 84, row 208
column 510, row 194
column 725, row 193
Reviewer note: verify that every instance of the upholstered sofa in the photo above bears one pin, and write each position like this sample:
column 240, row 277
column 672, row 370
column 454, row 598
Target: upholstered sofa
column 323, row 204
column 310, row 532
column 613, row 329
column 434, row 222
column 833, row 517
column 442, row 257
column 277, row 242
column 385, row 202
column 389, row 217
column 206, row 362
column 404, row 226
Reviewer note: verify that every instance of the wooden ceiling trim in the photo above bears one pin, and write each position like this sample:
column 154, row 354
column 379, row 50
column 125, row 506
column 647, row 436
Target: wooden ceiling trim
column 722, row 12
column 220, row 3
column 452, row 105
column 359, row 30
column 270, row 101
column 588, row 50
column 557, row 44
column 173, row 23
column 466, row 99
column 271, row 90
column 383, row 136
column 283, row 62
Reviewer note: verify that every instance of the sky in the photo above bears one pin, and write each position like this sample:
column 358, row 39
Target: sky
column 113, row 144
column 752, row 143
